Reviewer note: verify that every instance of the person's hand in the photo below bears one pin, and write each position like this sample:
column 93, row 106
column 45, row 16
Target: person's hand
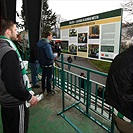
column 55, row 54
column 33, row 101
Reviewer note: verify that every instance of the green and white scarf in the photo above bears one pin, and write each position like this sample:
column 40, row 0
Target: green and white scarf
column 121, row 116
column 23, row 70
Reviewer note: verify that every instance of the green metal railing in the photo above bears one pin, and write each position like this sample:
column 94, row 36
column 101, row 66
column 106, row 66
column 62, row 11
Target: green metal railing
column 88, row 96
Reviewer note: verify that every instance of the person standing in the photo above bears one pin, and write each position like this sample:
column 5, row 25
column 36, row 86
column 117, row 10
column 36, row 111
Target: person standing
column 75, row 57
column 14, row 83
column 69, row 59
column 82, row 81
column 119, row 90
column 84, row 38
column 34, row 66
column 46, row 60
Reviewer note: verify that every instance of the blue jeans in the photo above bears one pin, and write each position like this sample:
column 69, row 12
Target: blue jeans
column 34, row 72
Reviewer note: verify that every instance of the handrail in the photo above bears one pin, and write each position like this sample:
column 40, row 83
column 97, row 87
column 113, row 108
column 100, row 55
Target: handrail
column 69, row 83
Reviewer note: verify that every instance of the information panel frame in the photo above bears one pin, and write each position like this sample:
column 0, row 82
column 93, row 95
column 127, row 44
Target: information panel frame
column 96, row 37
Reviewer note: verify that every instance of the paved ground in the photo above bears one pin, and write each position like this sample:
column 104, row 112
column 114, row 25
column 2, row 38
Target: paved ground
column 44, row 118
column 84, row 62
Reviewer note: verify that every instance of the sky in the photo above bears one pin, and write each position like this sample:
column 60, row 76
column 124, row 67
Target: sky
column 73, row 9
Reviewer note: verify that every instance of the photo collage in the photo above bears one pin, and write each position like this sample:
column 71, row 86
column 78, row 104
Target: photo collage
column 96, row 36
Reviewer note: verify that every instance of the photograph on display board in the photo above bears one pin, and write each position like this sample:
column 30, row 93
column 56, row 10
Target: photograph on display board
column 82, row 47
column 72, row 49
column 72, row 32
column 64, row 46
column 82, row 37
column 94, row 32
column 93, row 50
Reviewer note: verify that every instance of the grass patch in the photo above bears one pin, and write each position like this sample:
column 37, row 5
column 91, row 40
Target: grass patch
column 101, row 65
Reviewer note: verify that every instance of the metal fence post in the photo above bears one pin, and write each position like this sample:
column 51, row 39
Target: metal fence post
column 62, row 81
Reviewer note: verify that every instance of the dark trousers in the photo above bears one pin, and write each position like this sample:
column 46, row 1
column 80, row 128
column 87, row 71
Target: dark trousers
column 123, row 126
column 15, row 119
column 46, row 78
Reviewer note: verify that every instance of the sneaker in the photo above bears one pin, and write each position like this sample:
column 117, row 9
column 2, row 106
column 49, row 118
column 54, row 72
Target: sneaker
column 36, row 86
column 51, row 93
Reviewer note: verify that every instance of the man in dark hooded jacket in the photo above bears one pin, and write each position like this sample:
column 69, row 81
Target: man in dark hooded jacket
column 46, row 60
column 119, row 90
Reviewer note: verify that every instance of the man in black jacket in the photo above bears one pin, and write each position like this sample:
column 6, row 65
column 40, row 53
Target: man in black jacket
column 119, row 90
column 13, row 92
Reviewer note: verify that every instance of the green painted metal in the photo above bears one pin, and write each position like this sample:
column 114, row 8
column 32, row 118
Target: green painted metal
column 62, row 82
column 95, row 120
column 75, row 127
column 70, row 84
column 75, row 81
column 96, row 96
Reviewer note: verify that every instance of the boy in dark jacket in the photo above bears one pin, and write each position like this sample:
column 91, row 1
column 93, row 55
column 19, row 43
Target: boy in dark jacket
column 46, row 60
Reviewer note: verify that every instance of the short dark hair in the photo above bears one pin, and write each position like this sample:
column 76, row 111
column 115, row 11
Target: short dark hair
column 5, row 24
column 81, row 74
column 46, row 34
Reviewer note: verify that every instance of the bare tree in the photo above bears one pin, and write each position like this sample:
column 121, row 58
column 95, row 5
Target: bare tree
column 22, row 17
column 127, row 28
column 127, row 6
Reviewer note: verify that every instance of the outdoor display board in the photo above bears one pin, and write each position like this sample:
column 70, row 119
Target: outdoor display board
column 97, row 36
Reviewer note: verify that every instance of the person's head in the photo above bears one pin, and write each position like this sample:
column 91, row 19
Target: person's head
column 82, row 74
column 100, row 89
column 8, row 29
column 48, row 35
column 83, row 34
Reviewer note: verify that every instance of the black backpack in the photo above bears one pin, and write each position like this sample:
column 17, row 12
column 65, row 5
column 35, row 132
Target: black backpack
column 41, row 55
